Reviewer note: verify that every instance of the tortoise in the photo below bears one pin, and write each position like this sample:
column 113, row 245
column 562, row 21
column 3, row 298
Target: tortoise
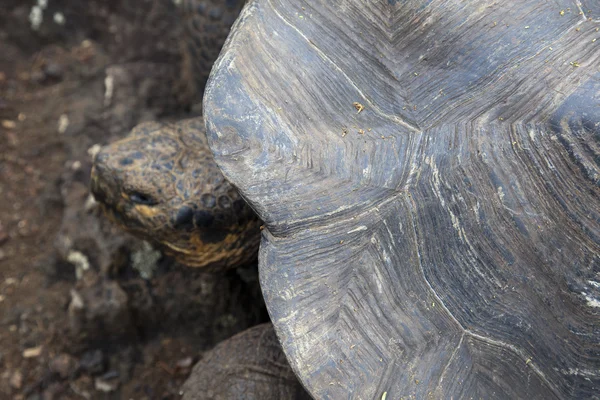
column 428, row 175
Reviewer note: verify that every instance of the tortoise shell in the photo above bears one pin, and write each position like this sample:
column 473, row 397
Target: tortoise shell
column 427, row 171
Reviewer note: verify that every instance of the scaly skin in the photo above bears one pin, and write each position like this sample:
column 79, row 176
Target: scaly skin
column 161, row 183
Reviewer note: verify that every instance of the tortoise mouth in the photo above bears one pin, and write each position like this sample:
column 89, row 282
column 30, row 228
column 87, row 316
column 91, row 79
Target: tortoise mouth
column 112, row 202
column 103, row 189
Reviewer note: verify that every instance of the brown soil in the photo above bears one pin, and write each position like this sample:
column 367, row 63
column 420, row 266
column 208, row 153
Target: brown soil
column 86, row 311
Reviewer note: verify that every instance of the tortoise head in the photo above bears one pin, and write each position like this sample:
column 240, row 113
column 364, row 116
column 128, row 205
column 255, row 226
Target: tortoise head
column 162, row 184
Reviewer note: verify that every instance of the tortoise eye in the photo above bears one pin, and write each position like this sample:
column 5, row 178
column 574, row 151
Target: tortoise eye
column 141, row 198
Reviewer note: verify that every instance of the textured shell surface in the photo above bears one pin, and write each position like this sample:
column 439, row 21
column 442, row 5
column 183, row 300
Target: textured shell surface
column 427, row 171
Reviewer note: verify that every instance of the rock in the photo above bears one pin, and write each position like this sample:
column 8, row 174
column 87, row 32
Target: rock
column 84, row 240
column 53, row 71
column 64, row 365
column 16, row 380
column 92, row 362
column 55, row 391
column 32, row 352
column 106, row 385
column 9, row 124
column 121, row 364
column 184, row 366
column 99, row 309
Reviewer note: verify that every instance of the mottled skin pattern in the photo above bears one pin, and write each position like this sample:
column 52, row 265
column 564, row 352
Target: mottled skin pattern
column 161, row 183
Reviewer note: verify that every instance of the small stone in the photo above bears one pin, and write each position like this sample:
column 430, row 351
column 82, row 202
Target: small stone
column 9, row 124
column 92, row 362
column 55, row 391
column 16, row 380
column 59, row 18
column 76, row 301
column 63, row 123
column 63, row 365
column 90, row 203
column 106, row 386
column 53, row 71
column 32, row 352
column 184, row 363
column 112, row 374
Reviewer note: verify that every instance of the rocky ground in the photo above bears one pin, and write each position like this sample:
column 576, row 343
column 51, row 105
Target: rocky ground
column 85, row 310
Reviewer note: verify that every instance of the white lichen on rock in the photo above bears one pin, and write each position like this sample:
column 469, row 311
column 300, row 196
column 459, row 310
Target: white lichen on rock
column 36, row 15
column 80, row 261
column 59, row 18
column 145, row 260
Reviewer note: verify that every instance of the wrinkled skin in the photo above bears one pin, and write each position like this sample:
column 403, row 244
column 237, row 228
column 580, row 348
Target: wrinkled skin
column 161, row 183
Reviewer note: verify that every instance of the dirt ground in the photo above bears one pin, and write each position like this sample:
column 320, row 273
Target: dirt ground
column 86, row 311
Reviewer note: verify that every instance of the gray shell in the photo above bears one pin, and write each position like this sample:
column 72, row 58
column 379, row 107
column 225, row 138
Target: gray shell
column 428, row 174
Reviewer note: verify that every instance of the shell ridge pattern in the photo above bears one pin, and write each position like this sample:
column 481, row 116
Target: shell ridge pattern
column 407, row 124
column 448, row 260
column 466, row 331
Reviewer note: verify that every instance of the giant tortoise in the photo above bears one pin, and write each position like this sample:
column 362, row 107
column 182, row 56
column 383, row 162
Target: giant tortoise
column 427, row 172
